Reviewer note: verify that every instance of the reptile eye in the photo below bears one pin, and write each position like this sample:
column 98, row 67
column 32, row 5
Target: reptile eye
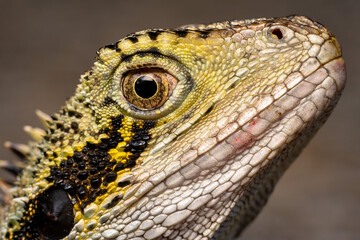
column 150, row 86
column 148, row 89
column 55, row 215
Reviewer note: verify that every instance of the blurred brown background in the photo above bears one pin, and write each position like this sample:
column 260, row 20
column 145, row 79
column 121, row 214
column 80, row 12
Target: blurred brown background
column 46, row 45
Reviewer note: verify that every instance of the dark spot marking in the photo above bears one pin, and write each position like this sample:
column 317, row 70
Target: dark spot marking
column 154, row 51
column 83, row 175
column 110, row 177
column 154, row 34
column 247, row 55
column 71, row 113
column 232, row 85
column 96, row 182
column 142, row 54
column 60, row 126
column 54, row 140
column 119, row 166
column 186, row 116
column 133, row 39
column 78, row 115
column 126, row 57
column 111, row 46
column 123, row 184
column 181, row 33
column 204, row 34
column 74, row 125
column 108, row 101
column 114, row 201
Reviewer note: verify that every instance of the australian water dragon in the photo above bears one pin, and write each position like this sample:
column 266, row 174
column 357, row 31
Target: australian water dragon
column 175, row 134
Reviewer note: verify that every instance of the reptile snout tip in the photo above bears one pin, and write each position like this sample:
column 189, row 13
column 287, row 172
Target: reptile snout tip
column 330, row 50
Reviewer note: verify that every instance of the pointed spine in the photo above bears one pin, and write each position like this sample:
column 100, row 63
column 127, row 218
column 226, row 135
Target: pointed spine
column 36, row 133
column 44, row 118
column 21, row 150
column 12, row 167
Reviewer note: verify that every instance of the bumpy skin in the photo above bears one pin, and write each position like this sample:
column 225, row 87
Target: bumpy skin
column 241, row 99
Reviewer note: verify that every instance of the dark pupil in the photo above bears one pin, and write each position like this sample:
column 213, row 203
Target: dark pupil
column 145, row 87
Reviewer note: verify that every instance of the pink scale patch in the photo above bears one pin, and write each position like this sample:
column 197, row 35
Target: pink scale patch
column 240, row 140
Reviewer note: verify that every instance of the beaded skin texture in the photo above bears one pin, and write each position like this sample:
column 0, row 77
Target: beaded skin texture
column 175, row 134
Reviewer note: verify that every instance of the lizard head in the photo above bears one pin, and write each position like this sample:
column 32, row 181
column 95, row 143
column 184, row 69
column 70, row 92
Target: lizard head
column 177, row 133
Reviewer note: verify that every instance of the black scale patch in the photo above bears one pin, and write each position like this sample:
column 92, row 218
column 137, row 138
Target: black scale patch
column 93, row 165
column 86, row 175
